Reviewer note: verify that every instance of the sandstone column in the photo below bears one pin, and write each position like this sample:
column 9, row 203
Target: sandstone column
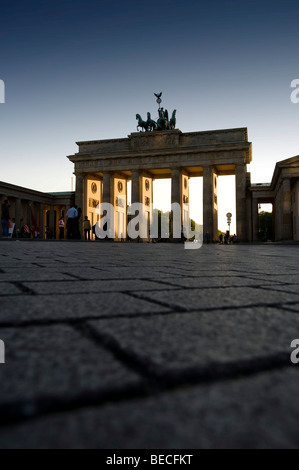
column 287, row 232
column 41, row 221
column 241, row 202
column 273, row 222
column 136, row 187
column 255, row 220
column 30, row 211
column 176, row 186
column 19, row 214
column 210, row 203
column 108, row 198
column 176, row 198
column 80, row 198
column 249, row 233
column 108, row 188
column 136, row 196
column 52, row 227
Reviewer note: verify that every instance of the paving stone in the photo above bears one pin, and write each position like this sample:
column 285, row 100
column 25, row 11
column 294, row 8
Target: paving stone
column 16, row 310
column 285, row 288
column 204, row 340
column 79, row 287
column 55, row 363
column 256, row 412
column 294, row 307
column 8, row 289
column 216, row 281
column 133, row 272
column 198, row 299
column 114, row 273
column 269, row 279
column 32, row 274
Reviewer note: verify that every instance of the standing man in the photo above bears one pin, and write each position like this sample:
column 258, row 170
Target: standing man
column 87, row 228
column 5, row 218
column 72, row 218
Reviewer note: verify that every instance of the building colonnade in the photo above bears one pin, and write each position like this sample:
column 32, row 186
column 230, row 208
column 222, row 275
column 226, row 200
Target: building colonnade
column 40, row 212
column 283, row 194
column 112, row 188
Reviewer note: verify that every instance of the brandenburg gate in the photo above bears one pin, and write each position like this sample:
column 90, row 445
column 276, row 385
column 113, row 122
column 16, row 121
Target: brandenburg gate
column 104, row 167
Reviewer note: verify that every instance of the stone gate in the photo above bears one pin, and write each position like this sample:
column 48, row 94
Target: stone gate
column 103, row 167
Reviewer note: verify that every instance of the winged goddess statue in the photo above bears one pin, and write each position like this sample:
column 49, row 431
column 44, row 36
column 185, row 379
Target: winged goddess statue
column 158, row 96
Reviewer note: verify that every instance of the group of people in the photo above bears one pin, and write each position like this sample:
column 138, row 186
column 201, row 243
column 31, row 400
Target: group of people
column 73, row 225
column 227, row 238
column 223, row 239
column 8, row 225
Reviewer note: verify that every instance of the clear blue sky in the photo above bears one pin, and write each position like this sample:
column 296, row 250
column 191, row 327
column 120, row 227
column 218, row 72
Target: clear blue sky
column 78, row 70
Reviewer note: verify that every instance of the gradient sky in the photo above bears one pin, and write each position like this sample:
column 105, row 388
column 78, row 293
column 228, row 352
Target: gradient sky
column 78, row 70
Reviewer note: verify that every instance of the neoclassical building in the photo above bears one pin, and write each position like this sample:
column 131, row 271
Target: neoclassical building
column 46, row 208
column 283, row 194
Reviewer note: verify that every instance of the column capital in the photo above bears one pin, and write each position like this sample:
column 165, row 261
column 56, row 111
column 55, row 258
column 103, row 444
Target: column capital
column 209, row 170
column 136, row 173
column 241, row 168
column 241, row 201
column 286, row 181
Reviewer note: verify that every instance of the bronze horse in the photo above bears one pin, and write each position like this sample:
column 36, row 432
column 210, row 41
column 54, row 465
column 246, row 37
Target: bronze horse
column 172, row 122
column 163, row 123
column 151, row 123
column 141, row 123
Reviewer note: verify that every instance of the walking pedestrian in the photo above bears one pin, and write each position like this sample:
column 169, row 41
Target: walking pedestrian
column 208, row 238
column 72, row 217
column 77, row 231
column 61, row 228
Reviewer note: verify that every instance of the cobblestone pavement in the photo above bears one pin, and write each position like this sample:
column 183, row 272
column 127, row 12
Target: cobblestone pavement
column 122, row 346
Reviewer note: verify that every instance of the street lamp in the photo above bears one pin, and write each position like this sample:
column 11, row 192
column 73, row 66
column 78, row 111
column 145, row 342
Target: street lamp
column 229, row 220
